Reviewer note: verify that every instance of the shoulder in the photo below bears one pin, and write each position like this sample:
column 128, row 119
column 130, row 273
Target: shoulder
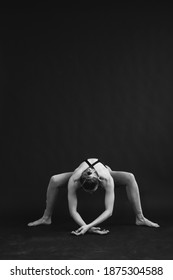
column 108, row 168
column 78, row 171
column 107, row 182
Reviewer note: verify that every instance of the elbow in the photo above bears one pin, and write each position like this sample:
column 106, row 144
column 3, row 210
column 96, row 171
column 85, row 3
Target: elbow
column 72, row 213
column 110, row 213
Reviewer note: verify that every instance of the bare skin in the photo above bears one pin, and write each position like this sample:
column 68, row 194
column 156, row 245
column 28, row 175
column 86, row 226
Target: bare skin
column 107, row 180
column 41, row 221
column 145, row 222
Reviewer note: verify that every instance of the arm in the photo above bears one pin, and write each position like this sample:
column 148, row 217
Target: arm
column 72, row 201
column 109, row 204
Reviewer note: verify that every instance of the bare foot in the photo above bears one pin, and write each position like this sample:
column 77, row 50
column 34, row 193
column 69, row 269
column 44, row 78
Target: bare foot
column 42, row 221
column 145, row 222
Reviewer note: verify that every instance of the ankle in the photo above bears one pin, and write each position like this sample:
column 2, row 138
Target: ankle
column 46, row 216
column 139, row 216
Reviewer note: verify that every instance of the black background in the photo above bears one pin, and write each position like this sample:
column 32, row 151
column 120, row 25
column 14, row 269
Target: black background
column 82, row 83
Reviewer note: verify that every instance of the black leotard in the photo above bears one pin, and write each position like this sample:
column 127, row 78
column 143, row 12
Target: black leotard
column 92, row 165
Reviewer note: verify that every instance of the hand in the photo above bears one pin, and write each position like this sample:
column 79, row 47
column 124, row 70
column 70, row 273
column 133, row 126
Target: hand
column 81, row 231
column 98, row 230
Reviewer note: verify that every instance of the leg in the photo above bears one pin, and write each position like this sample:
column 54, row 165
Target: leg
column 52, row 191
column 128, row 179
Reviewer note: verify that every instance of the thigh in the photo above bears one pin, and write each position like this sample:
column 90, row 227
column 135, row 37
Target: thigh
column 121, row 177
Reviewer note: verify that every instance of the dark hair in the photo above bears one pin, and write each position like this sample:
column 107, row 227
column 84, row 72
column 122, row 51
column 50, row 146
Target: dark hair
column 88, row 182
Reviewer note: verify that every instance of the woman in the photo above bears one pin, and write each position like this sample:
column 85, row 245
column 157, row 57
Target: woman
column 91, row 174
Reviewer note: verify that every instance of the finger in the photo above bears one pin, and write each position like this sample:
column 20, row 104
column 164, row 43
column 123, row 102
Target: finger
column 75, row 233
column 79, row 233
column 79, row 229
column 101, row 232
column 97, row 232
column 104, row 232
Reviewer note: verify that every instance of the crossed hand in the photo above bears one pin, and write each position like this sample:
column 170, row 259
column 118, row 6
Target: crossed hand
column 96, row 230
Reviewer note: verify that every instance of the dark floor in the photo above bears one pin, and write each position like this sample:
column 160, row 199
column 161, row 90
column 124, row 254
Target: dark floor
column 49, row 242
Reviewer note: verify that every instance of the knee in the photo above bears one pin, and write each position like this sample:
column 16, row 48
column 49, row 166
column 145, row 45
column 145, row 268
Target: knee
column 71, row 180
column 53, row 181
column 131, row 178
